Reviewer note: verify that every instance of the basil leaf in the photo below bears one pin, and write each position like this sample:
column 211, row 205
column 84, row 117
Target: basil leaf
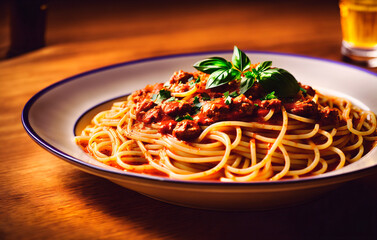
column 240, row 60
column 221, row 77
column 255, row 74
column 212, row 64
column 249, row 74
column 263, row 66
column 246, row 83
column 280, row 81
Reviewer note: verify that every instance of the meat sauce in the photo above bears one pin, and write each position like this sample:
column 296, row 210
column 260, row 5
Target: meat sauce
column 183, row 117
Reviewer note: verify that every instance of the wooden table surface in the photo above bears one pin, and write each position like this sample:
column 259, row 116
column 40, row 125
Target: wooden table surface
column 43, row 197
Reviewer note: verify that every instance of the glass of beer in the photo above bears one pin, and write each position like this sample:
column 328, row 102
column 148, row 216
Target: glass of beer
column 359, row 29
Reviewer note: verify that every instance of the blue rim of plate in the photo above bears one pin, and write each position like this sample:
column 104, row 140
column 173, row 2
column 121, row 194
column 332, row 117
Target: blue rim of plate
column 113, row 174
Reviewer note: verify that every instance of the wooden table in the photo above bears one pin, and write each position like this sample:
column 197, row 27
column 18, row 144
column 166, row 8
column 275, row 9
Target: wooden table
column 43, row 197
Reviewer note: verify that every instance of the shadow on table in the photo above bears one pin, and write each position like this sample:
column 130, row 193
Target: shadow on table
column 349, row 212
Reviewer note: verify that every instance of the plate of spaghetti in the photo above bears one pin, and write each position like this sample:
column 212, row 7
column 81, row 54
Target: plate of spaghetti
column 219, row 130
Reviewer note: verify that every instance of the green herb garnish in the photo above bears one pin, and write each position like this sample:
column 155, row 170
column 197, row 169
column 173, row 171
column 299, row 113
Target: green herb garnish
column 270, row 96
column 228, row 98
column 196, row 102
column 303, row 91
column 205, row 96
column 171, row 99
column 233, row 94
column 197, row 105
column 161, row 96
column 272, row 79
column 192, row 82
column 181, row 118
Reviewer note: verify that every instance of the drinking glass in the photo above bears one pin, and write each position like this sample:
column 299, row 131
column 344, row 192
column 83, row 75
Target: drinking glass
column 359, row 30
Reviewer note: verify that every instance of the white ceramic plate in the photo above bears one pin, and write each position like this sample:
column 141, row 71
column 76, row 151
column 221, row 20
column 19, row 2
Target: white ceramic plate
column 50, row 118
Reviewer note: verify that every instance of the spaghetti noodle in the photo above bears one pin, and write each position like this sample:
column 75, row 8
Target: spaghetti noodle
column 184, row 130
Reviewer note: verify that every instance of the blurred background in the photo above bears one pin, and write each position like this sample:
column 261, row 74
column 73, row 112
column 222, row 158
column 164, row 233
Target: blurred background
column 123, row 26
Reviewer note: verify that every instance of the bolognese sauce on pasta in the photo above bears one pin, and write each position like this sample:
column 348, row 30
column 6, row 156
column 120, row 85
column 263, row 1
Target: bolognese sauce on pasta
column 230, row 121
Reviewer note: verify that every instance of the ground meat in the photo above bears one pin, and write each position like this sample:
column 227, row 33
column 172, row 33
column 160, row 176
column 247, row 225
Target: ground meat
column 242, row 106
column 214, row 111
column 147, row 92
column 175, row 108
column 255, row 92
column 166, row 127
column 307, row 108
column 143, row 107
column 187, row 130
column 180, row 77
column 152, row 115
column 329, row 116
column 181, row 88
column 266, row 105
column 271, row 104
column 211, row 95
column 309, row 90
column 154, row 89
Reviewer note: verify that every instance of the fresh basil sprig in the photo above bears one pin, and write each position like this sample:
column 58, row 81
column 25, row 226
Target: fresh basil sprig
column 221, row 77
column 255, row 74
column 212, row 64
column 280, row 81
column 222, row 72
column 240, row 60
column 246, row 82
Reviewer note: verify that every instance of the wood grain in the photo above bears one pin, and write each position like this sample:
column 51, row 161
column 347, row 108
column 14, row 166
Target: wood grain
column 43, row 197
